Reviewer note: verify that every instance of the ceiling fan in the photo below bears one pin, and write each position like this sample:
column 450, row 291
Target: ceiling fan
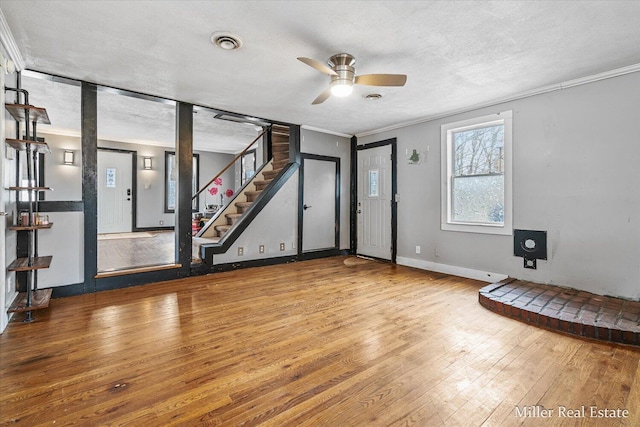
column 343, row 76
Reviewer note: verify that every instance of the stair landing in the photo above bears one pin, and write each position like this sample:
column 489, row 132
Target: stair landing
column 566, row 310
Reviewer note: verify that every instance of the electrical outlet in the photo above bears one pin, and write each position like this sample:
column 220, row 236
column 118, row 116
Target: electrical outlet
column 240, row 251
column 261, row 249
column 161, row 222
column 417, row 249
column 436, row 252
column 282, row 246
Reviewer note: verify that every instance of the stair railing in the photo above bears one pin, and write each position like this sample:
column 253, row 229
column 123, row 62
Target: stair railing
column 231, row 163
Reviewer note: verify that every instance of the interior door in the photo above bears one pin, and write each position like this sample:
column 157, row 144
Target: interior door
column 374, row 202
column 115, row 187
column 320, row 215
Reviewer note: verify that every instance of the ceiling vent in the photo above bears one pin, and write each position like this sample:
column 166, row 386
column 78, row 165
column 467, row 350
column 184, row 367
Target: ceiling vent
column 373, row 96
column 227, row 41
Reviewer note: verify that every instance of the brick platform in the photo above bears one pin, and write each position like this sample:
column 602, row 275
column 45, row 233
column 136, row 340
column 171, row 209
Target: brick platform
column 566, row 310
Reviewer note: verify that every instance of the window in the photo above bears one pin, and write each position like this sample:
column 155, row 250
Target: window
column 248, row 166
column 170, row 181
column 476, row 168
column 373, row 183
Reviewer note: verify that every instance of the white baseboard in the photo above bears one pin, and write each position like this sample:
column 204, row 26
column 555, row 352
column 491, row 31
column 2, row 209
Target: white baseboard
column 469, row 273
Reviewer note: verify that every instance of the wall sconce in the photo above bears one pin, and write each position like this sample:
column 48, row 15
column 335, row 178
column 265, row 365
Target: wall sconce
column 147, row 163
column 68, row 158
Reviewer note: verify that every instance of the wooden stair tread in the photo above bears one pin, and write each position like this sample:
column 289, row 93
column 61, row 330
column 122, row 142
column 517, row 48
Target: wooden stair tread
column 22, row 264
column 243, row 204
column 279, row 148
column 280, row 130
column 233, row 215
column 279, row 164
column 223, row 227
column 39, row 300
column 252, row 192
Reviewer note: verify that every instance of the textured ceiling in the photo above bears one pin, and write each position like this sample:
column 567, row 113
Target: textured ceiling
column 456, row 54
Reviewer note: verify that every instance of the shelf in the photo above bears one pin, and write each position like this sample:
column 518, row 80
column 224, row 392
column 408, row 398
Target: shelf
column 21, row 145
column 36, row 114
column 39, row 300
column 22, row 264
column 31, row 188
column 33, row 227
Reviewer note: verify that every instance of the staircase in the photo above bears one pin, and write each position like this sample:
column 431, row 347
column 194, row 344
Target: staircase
column 233, row 213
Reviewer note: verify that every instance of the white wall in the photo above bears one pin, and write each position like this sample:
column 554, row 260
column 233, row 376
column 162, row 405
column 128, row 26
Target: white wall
column 210, row 165
column 66, row 180
column 276, row 223
column 65, row 242
column 7, row 174
column 576, row 159
column 150, row 188
column 312, row 142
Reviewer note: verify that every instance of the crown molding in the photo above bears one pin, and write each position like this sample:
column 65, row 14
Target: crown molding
column 550, row 88
column 9, row 44
column 330, row 132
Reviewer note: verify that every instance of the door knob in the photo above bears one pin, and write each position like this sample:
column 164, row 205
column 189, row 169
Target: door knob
column 305, row 207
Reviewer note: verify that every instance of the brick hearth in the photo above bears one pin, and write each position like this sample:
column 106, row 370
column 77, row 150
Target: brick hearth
column 566, row 310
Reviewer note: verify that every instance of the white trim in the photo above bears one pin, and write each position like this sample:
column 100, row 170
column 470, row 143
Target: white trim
column 469, row 273
column 9, row 44
column 550, row 88
column 330, row 132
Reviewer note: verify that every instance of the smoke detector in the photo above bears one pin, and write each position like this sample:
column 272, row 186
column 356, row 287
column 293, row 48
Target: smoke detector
column 227, row 41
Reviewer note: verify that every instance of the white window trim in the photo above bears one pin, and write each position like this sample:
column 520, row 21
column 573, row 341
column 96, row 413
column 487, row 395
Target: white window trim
column 446, row 131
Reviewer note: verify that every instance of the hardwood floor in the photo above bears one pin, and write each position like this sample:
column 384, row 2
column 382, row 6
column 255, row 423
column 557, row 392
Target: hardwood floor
column 315, row 343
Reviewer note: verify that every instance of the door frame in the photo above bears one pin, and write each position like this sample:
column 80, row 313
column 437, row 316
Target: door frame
column 394, row 199
column 323, row 252
column 134, row 183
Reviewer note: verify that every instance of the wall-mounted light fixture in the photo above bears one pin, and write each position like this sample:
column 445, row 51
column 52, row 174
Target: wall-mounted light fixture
column 68, row 157
column 147, row 163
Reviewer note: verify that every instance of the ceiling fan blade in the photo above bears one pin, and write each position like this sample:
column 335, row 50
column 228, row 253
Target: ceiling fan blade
column 318, row 66
column 381, row 79
column 322, row 97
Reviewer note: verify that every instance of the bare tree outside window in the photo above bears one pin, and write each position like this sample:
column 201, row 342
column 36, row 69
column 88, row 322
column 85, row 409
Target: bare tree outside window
column 478, row 175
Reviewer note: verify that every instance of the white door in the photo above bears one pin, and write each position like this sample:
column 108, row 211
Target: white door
column 374, row 202
column 115, row 191
column 319, row 205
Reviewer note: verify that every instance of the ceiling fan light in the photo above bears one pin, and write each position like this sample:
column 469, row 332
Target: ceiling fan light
column 343, row 88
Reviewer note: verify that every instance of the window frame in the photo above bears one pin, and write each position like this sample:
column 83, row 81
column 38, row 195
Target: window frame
column 447, row 168
column 195, row 181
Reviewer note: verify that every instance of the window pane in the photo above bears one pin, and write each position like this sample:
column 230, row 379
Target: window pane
column 373, row 183
column 478, row 199
column 171, row 182
column 479, row 151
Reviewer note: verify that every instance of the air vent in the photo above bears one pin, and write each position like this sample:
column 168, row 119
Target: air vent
column 226, row 41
